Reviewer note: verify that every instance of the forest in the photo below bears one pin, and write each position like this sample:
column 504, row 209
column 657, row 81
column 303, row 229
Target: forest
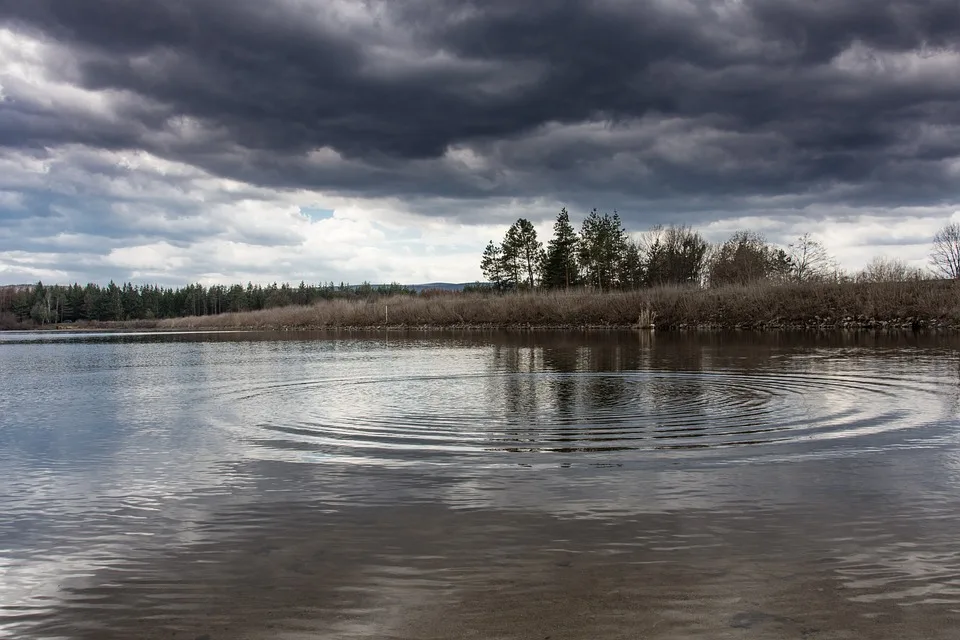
column 41, row 304
column 603, row 256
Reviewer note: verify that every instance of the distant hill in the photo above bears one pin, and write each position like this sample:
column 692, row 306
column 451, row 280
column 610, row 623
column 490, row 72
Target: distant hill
column 16, row 288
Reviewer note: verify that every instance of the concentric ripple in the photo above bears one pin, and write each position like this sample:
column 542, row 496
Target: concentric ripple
column 435, row 418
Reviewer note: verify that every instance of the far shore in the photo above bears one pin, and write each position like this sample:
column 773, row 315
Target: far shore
column 913, row 305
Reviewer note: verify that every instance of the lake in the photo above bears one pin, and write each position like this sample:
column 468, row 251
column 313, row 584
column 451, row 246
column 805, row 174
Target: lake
column 479, row 485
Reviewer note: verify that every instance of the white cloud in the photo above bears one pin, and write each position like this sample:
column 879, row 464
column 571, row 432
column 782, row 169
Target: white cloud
column 73, row 212
column 171, row 223
column 19, row 267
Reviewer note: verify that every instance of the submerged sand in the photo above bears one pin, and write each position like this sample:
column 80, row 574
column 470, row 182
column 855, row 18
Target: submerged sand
column 431, row 573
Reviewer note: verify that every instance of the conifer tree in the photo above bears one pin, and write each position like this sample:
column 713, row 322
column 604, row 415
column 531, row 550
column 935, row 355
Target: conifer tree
column 561, row 270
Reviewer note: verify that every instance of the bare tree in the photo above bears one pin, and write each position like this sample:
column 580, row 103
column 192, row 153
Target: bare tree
column 809, row 260
column 945, row 258
column 884, row 269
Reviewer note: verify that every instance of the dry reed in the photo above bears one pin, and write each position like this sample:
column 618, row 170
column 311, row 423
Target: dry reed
column 917, row 303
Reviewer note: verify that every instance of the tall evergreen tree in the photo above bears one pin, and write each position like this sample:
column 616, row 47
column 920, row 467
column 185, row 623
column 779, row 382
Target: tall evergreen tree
column 602, row 246
column 492, row 265
column 632, row 269
column 523, row 253
column 560, row 266
column 55, row 303
column 510, row 259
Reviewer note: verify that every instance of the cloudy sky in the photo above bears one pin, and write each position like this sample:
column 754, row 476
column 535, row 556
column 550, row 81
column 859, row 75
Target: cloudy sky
column 231, row 140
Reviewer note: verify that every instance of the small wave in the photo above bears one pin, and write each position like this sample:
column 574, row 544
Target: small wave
column 431, row 418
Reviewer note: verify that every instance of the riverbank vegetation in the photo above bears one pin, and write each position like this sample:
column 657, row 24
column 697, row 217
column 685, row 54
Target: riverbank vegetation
column 39, row 305
column 603, row 257
column 932, row 303
column 599, row 276
column 912, row 305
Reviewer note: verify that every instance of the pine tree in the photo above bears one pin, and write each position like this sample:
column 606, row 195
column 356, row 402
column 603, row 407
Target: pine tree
column 631, row 267
column 492, row 265
column 560, row 266
column 523, row 253
column 603, row 242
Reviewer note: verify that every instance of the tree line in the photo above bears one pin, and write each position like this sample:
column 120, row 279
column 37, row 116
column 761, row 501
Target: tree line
column 45, row 304
column 604, row 256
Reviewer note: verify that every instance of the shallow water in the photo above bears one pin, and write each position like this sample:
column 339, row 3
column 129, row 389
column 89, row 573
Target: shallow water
column 579, row 485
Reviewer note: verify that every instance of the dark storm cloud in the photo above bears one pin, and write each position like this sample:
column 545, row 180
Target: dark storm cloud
column 739, row 99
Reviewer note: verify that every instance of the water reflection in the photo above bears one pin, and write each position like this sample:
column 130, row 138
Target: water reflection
column 592, row 402
column 355, row 486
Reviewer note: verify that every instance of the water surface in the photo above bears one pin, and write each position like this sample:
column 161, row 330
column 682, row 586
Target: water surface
column 577, row 485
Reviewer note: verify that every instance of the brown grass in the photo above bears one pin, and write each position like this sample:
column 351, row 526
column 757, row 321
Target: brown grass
column 923, row 303
column 8, row 322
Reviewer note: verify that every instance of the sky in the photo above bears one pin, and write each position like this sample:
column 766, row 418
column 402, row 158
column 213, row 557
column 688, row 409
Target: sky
column 229, row 141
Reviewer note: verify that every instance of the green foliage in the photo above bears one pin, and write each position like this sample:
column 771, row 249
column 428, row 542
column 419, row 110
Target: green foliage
column 560, row 270
column 522, row 247
column 675, row 255
column 603, row 243
column 633, row 270
column 21, row 307
column 479, row 287
column 517, row 262
column 58, row 304
column 601, row 256
column 746, row 257
column 493, row 267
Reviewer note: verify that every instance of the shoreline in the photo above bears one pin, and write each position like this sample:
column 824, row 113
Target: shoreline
column 907, row 324
column 915, row 305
